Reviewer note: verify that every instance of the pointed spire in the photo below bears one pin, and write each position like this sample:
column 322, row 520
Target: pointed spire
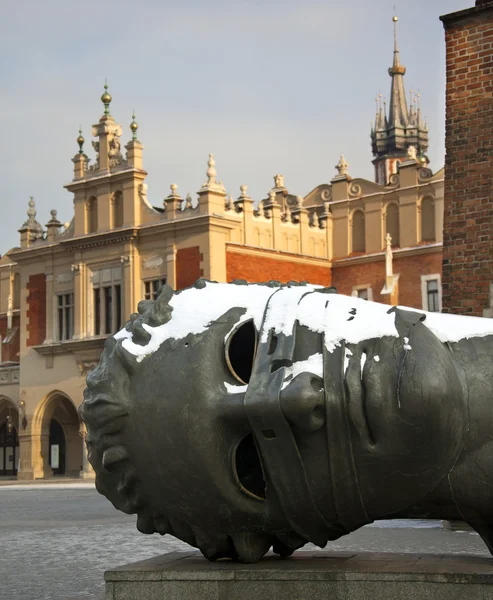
column 396, row 47
column 134, row 126
column 106, row 98
column 381, row 115
column 418, row 112
column 401, row 126
column 398, row 117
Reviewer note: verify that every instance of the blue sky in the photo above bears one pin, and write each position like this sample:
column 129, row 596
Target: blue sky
column 267, row 86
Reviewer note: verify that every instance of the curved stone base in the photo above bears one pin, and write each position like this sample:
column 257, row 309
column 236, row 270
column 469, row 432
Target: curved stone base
column 307, row 575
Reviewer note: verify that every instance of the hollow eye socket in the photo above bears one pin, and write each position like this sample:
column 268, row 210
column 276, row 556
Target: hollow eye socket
column 240, row 350
column 247, row 468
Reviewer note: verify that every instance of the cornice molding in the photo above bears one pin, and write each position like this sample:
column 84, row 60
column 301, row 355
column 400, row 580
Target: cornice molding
column 276, row 254
column 378, row 256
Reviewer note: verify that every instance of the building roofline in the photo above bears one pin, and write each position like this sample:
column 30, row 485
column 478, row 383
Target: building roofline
column 461, row 14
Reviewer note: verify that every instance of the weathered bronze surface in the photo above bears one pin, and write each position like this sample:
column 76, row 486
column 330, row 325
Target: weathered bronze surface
column 243, row 417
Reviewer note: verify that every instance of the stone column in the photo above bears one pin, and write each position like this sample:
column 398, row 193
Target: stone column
column 170, row 256
column 80, row 299
column 87, row 470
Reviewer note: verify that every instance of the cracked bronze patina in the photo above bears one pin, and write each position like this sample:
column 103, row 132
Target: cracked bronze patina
column 295, row 415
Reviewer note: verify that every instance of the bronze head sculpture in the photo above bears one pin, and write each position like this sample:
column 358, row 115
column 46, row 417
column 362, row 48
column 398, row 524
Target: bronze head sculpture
column 241, row 417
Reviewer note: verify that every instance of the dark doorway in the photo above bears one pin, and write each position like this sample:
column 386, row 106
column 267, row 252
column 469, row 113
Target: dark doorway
column 57, row 448
column 9, row 450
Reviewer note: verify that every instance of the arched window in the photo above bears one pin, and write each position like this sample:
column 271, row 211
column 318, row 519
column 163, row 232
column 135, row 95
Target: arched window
column 392, row 223
column 92, row 215
column 358, row 236
column 427, row 220
column 117, row 210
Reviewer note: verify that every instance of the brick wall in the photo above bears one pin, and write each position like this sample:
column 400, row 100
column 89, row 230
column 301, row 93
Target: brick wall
column 409, row 268
column 265, row 266
column 10, row 351
column 188, row 266
column 468, row 216
column 36, row 310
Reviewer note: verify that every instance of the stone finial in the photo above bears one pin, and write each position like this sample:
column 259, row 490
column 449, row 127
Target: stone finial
column 212, row 184
column 36, row 230
column 412, row 153
column 188, row 201
column 211, row 171
column 228, row 203
column 173, row 187
column 54, row 218
column 272, row 197
column 342, row 166
column 243, row 191
column 279, row 181
column 31, row 211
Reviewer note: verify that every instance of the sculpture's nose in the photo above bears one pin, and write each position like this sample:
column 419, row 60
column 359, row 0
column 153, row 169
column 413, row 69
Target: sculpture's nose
column 302, row 402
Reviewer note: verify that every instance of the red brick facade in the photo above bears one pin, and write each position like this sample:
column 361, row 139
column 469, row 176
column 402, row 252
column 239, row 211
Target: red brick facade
column 345, row 276
column 468, row 218
column 10, row 350
column 36, row 310
column 266, row 265
column 188, row 266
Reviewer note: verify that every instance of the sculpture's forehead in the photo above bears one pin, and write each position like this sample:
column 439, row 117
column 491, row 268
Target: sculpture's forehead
column 195, row 310
column 336, row 316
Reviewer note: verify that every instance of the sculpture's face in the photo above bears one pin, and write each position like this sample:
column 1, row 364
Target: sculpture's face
column 237, row 417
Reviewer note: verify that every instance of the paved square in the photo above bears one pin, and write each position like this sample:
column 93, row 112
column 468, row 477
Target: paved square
column 57, row 543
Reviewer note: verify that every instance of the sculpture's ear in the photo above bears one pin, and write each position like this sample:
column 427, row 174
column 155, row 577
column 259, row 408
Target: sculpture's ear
column 160, row 310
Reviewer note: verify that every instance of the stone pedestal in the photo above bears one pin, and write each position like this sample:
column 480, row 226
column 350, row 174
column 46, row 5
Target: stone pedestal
column 307, row 575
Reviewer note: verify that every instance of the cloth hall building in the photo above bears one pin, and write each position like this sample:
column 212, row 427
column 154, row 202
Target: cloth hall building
column 67, row 287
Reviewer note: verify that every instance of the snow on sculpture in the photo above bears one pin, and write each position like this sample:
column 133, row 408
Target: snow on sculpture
column 241, row 417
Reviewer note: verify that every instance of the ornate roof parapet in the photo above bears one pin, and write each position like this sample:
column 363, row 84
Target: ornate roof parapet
column 228, row 203
column 271, row 204
column 244, row 202
column 172, row 203
column 31, row 230
column 213, row 192
column 53, row 226
column 341, row 181
column 279, row 183
column 325, row 215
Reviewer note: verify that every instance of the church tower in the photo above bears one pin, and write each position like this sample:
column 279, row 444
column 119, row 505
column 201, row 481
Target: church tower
column 393, row 133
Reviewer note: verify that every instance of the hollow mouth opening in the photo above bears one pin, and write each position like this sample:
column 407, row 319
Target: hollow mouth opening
column 240, row 351
column 248, row 468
